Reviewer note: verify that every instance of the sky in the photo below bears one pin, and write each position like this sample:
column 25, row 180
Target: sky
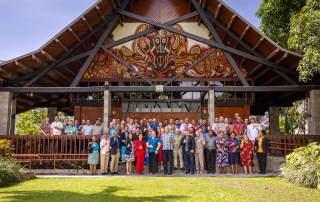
column 26, row 25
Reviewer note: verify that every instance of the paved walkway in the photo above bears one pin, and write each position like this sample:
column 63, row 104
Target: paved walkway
column 180, row 174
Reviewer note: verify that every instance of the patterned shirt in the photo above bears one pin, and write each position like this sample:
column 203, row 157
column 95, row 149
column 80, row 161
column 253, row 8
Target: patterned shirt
column 199, row 147
column 166, row 145
column 70, row 130
column 45, row 127
column 177, row 144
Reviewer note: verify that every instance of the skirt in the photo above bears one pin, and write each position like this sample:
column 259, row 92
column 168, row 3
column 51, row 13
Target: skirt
column 93, row 158
column 234, row 158
column 123, row 152
column 129, row 157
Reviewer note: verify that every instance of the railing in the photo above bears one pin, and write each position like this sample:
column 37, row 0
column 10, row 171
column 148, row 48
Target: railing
column 28, row 148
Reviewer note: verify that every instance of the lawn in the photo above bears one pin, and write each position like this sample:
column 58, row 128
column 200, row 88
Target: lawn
column 158, row 189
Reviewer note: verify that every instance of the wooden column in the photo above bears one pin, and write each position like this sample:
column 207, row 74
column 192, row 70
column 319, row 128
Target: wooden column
column 7, row 123
column 106, row 109
column 314, row 110
column 211, row 105
column 274, row 121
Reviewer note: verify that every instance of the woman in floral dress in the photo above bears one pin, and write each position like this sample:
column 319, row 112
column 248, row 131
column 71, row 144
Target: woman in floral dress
column 129, row 154
column 247, row 151
column 222, row 153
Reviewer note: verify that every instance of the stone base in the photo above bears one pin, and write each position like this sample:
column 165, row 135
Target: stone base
column 29, row 175
column 273, row 167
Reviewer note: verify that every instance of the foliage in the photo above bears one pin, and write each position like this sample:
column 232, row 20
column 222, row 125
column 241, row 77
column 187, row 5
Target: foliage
column 10, row 173
column 5, row 149
column 292, row 120
column 30, row 121
column 275, row 18
column 303, row 166
column 294, row 24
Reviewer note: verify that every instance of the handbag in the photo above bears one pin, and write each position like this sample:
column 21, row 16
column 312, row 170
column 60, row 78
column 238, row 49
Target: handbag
column 90, row 148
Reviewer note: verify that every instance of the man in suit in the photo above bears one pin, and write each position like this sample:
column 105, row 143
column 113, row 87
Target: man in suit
column 188, row 148
column 115, row 144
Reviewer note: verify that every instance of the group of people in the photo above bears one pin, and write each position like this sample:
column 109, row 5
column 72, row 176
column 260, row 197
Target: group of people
column 178, row 144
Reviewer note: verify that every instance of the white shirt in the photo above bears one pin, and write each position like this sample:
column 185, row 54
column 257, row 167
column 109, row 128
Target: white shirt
column 54, row 130
column 184, row 129
column 104, row 149
column 253, row 130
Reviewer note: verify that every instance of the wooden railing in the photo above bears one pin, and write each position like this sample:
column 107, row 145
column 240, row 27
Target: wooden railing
column 70, row 148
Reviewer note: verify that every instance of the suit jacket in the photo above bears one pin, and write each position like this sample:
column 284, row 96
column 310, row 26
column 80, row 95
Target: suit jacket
column 114, row 145
column 128, row 149
column 140, row 152
column 191, row 143
column 265, row 145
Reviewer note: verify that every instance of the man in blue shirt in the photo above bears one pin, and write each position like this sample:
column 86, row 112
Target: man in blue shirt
column 167, row 140
column 154, row 125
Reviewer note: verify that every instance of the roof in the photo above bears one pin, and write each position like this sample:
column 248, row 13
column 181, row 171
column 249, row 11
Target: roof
column 158, row 10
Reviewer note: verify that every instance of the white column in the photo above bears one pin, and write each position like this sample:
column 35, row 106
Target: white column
column 314, row 110
column 106, row 109
column 211, row 100
column 6, row 110
column 274, row 125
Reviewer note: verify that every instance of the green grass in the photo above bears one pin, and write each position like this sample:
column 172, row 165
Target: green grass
column 158, row 189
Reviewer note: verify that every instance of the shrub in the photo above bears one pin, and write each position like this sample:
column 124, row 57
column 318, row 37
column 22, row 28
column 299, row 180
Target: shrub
column 10, row 173
column 303, row 166
column 5, row 149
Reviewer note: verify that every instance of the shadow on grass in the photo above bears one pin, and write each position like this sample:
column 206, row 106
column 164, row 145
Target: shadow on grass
column 108, row 194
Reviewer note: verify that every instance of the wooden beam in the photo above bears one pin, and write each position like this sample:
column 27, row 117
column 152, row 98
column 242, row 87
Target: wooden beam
column 50, row 90
column 218, row 39
column 100, row 13
column 218, row 10
column 231, row 21
column 74, row 34
column 50, row 57
column 258, row 43
column 41, row 62
column 23, row 66
column 61, row 45
column 87, row 23
column 268, row 58
column 98, row 46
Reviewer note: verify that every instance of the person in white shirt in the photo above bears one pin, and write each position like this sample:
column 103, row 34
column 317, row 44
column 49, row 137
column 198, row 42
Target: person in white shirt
column 87, row 129
column 104, row 154
column 220, row 126
column 214, row 125
column 56, row 127
column 253, row 129
column 186, row 125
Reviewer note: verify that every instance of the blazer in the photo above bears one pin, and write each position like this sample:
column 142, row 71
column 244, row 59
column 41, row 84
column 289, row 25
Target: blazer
column 191, row 143
column 114, row 145
column 128, row 149
column 140, row 152
column 265, row 145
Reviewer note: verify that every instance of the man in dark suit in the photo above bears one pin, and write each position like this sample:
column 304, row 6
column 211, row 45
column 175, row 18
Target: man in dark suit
column 115, row 144
column 261, row 146
column 188, row 148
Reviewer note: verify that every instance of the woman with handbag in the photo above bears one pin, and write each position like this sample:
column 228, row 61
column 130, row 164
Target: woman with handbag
column 93, row 155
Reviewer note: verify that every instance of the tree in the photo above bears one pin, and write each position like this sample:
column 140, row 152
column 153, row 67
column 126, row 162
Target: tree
column 294, row 24
column 29, row 121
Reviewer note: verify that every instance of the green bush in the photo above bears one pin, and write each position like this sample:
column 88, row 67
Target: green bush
column 5, row 149
column 303, row 166
column 10, row 173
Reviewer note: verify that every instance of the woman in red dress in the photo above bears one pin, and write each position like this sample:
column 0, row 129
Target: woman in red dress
column 247, row 151
column 140, row 147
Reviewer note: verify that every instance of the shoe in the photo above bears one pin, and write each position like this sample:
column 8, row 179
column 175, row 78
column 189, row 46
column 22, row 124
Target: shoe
column 169, row 173
column 213, row 172
column 187, row 172
column 112, row 173
column 208, row 172
column 260, row 172
column 165, row 173
column 200, row 172
column 182, row 168
column 175, row 168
